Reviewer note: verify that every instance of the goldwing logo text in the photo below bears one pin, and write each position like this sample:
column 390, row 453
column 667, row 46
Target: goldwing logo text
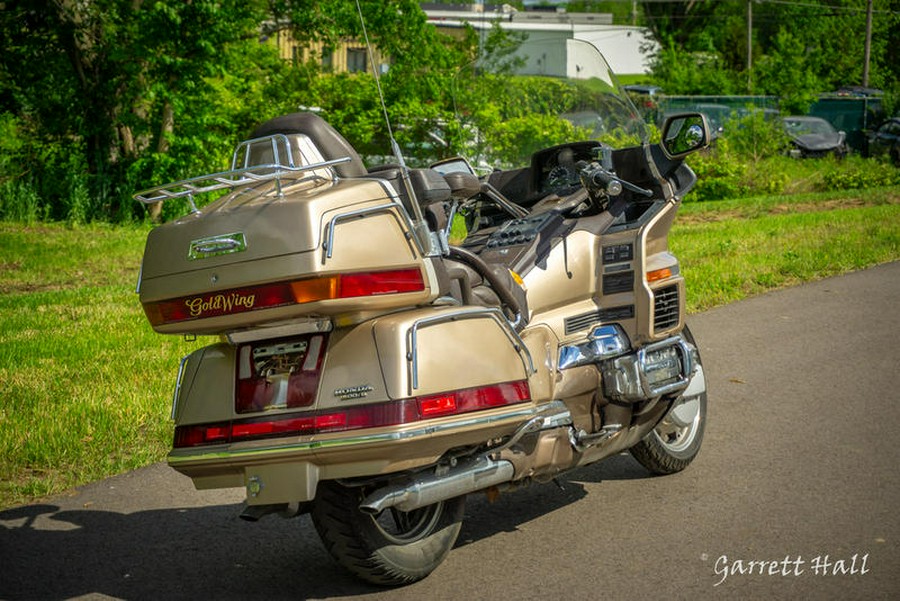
column 219, row 304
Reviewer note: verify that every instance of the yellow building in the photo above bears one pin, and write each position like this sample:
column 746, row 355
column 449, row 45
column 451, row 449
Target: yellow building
column 347, row 56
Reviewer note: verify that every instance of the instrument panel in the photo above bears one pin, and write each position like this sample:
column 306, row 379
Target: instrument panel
column 519, row 231
column 558, row 169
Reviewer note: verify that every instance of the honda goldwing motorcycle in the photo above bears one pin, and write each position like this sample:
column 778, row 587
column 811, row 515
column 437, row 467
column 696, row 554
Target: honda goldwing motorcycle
column 373, row 374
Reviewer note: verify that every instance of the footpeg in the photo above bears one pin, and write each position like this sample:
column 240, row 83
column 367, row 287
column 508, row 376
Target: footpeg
column 584, row 440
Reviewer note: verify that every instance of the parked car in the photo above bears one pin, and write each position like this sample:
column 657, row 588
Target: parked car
column 814, row 137
column 645, row 98
column 885, row 140
column 858, row 92
column 716, row 115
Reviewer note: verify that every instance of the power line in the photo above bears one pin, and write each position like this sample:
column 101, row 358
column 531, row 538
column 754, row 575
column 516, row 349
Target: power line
column 829, row 7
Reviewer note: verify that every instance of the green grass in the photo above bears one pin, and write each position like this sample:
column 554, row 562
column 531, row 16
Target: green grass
column 733, row 249
column 84, row 381
column 85, row 384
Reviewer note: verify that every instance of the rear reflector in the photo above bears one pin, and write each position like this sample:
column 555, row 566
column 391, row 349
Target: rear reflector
column 376, row 415
column 268, row 296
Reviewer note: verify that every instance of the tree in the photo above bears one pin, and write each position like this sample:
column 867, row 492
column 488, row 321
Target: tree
column 102, row 97
column 96, row 84
column 816, row 45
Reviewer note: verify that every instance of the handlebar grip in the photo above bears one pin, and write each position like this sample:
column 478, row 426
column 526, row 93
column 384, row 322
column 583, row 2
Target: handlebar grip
column 602, row 179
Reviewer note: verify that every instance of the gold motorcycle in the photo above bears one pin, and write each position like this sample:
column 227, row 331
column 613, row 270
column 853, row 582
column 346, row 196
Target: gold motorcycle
column 372, row 371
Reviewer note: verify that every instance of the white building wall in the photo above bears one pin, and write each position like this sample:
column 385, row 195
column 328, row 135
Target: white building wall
column 627, row 49
column 622, row 46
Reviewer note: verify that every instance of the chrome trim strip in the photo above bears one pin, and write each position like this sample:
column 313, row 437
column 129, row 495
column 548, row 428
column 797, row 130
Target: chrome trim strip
column 137, row 289
column 313, row 326
column 178, row 378
column 281, row 449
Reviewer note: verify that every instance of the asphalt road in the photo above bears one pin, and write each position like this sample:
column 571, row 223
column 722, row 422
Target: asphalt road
column 798, row 470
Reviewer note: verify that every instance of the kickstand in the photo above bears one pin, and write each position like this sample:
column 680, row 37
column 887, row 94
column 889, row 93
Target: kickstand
column 559, row 484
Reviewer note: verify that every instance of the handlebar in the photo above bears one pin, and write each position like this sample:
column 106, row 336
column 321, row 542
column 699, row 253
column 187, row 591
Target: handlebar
column 598, row 179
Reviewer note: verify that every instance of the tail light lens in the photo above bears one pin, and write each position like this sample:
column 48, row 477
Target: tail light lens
column 268, row 296
column 473, row 399
column 358, row 417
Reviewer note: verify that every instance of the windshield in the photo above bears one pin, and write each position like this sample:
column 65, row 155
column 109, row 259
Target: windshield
column 555, row 91
column 801, row 127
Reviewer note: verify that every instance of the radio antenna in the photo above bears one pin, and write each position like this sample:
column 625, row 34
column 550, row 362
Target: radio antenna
column 428, row 243
column 371, row 54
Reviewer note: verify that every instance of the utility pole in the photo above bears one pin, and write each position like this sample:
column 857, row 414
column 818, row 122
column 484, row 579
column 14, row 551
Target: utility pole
column 750, row 45
column 868, row 51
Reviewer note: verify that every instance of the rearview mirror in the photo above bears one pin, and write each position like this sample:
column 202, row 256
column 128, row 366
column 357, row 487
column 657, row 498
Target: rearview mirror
column 684, row 133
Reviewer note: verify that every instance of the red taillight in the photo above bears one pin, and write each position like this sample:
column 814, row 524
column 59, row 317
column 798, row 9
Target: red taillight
column 318, row 422
column 473, row 399
column 376, row 415
column 437, row 405
column 191, row 436
column 383, row 282
column 268, row 296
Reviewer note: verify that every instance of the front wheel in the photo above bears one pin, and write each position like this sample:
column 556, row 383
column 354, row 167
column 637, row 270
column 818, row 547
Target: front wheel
column 676, row 440
column 392, row 548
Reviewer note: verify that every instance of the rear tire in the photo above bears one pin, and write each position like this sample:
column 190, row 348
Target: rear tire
column 675, row 441
column 392, row 548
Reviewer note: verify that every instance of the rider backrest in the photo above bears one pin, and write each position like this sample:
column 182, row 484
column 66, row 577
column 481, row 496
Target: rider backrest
column 331, row 144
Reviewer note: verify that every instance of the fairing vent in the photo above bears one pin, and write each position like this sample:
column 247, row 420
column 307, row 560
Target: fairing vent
column 618, row 282
column 586, row 320
column 665, row 308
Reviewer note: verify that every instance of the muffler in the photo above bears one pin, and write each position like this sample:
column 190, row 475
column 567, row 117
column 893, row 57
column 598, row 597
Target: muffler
column 433, row 488
column 464, row 478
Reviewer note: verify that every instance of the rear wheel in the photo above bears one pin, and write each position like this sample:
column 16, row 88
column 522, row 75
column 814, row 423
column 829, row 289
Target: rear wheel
column 392, row 548
column 676, row 440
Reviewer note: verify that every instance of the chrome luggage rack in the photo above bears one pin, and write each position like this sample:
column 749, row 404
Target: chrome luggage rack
column 239, row 176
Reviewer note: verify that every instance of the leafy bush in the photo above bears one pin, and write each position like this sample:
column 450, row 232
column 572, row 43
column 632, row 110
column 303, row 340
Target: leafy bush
column 719, row 173
column 856, row 173
column 748, row 159
column 755, row 135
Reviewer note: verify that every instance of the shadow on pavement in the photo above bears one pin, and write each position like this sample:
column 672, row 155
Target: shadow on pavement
column 208, row 552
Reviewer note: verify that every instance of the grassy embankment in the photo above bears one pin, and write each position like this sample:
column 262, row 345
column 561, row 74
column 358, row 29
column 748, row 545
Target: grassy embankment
column 85, row 384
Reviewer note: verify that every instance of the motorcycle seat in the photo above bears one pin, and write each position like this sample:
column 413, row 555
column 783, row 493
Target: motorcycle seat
column 475, row 282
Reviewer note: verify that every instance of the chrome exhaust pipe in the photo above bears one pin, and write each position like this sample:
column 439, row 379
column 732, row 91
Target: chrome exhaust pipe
column 463, row 479
column 433, row 488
